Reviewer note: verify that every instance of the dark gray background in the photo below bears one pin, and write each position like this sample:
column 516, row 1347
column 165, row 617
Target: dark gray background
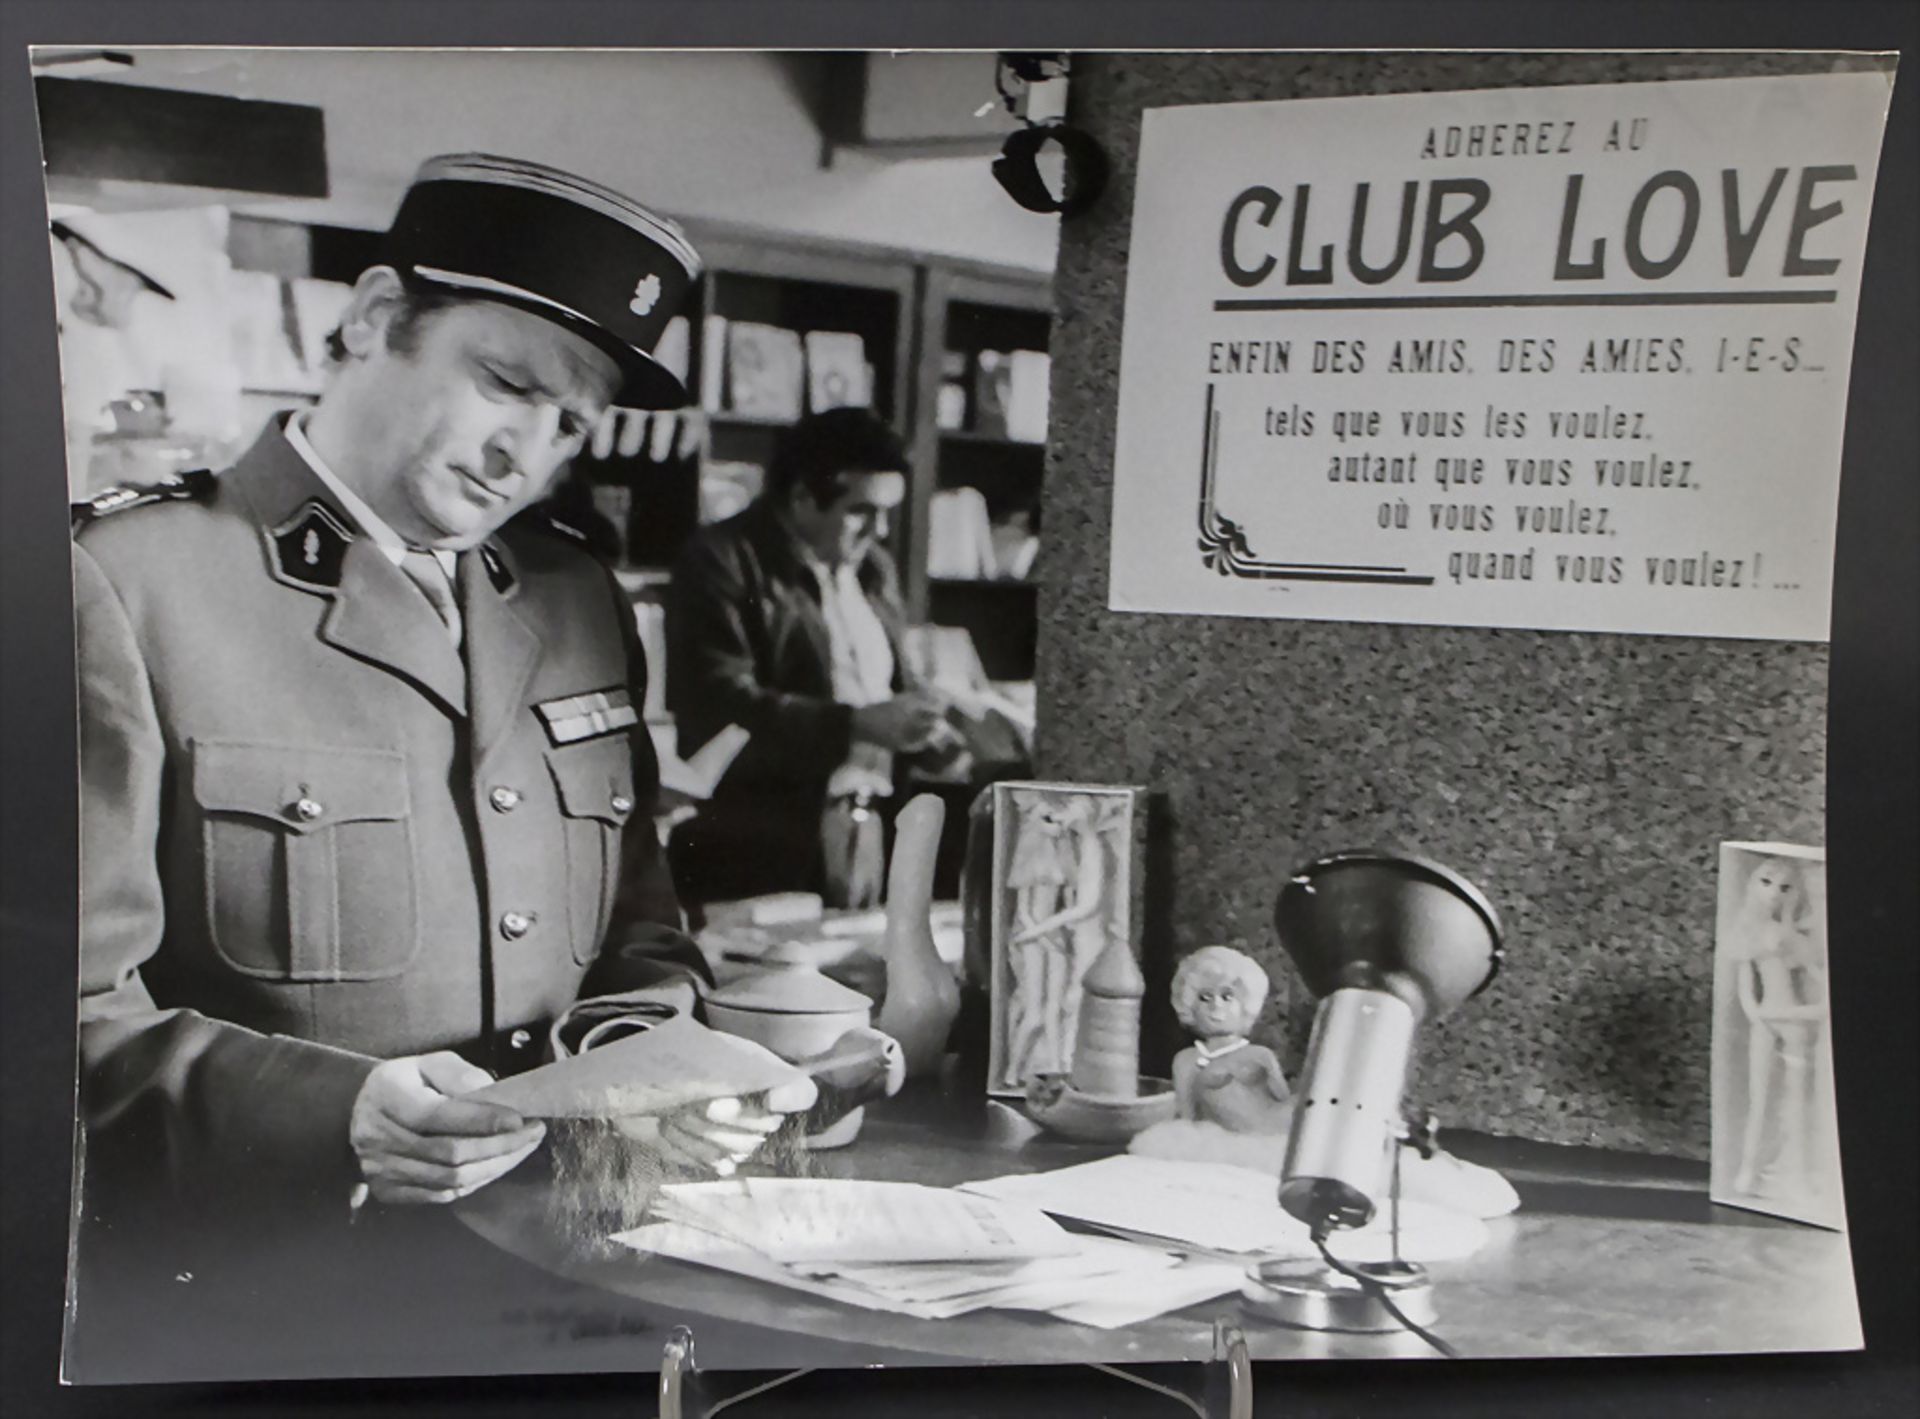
column 1873, row 784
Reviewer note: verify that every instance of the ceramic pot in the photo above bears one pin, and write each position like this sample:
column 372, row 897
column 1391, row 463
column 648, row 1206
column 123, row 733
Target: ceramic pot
column 803, row 1017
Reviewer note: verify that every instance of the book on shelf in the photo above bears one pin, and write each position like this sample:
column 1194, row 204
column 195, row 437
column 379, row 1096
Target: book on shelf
column 959, row 536
column 1014, row 546
column 837, row 370
column 1010, row 394
column 1028, row 372
column 950, row 404
column 766, row 367
column 950, row 408
column 992, row 386
column 713, row 363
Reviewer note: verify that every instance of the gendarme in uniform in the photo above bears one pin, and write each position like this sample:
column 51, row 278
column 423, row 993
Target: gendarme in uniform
column 318, row 831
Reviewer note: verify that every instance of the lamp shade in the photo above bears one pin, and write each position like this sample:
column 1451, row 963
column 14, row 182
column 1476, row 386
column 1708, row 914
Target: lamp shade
column 1379, row 920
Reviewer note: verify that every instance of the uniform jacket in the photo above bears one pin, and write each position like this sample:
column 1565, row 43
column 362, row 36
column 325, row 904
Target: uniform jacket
column 312, row 837
column 747, row 644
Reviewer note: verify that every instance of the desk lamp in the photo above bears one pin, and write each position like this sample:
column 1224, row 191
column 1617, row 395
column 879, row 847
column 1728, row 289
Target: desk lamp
column 1387, row 942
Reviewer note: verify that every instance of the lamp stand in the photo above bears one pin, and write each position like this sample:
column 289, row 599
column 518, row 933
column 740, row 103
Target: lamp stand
column 1310, row 1294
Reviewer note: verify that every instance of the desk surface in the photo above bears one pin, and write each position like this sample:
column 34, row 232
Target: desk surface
column 1608, row 1255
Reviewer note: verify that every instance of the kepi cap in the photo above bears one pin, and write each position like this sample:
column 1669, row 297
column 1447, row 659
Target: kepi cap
column 582, row 255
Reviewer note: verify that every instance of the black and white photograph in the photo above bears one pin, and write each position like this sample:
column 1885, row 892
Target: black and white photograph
column 954, row 707
column 1776, row 1145
column 1062, row 890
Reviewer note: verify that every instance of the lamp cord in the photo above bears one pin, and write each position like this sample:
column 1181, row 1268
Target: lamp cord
column 1383, row 1295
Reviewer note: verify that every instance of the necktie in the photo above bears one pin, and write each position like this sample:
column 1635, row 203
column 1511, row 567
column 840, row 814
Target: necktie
column 423, row 570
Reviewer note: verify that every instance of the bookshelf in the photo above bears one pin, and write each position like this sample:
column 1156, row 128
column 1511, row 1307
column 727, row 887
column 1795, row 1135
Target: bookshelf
column 982, row 429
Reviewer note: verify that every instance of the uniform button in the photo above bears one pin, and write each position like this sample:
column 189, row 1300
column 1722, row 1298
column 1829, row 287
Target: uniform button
column 514, row 925
column 519, row 1039
column 307, row 809
column 504, row 799
column 621, row 804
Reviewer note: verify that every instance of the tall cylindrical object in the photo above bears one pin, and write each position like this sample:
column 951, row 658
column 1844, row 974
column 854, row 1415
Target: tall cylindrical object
column 1106, row 1060
column 1348, row 1109
column 922, row 996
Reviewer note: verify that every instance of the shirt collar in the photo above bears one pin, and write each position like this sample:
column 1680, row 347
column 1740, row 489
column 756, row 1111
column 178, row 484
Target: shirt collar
column 378, row 531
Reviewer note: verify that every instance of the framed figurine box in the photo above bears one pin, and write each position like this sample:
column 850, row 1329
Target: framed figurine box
column 1776, row 1143
column 1062, row 887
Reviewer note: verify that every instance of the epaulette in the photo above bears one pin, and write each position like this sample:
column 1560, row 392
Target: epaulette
column 196, row 485
column 547, row 522
column 595, row 536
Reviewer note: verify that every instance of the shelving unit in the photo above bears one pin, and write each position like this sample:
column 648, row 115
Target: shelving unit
column 965, row 310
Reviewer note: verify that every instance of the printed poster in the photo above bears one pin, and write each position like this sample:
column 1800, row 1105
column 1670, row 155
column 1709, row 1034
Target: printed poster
column 1566, row 358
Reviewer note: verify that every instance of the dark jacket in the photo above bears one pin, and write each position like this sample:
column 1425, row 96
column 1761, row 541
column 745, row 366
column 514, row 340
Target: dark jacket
column 747, row 645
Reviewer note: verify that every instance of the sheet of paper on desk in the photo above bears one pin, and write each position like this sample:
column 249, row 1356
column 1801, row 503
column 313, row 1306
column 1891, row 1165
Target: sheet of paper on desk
column 1221, row 1209
column 1187, row 1285
column 684, row 1243
column 1104, row 1283
column 675, row 1063
column 975, row 1284
column 841, row 1219
column 1100, row 1283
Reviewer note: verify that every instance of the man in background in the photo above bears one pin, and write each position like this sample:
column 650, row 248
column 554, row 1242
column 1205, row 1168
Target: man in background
column 787, row 621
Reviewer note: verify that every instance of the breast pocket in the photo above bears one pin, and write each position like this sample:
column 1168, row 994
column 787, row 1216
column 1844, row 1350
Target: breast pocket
column 596, row 790
column 594, row 782
column 309, row 851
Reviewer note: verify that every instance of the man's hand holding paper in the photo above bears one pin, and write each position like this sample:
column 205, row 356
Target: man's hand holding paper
column 706, row 1100
column 419, row 1140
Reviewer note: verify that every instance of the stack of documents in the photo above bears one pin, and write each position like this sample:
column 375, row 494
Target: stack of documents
column 920, row 1251
column 1214, row 1209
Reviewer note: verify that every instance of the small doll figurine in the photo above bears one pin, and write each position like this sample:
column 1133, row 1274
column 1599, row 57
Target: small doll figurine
column 1231, row 1101
column 1223, row 1077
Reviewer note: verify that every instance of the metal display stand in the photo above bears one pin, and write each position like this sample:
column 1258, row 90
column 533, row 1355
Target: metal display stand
column 1224, row 1390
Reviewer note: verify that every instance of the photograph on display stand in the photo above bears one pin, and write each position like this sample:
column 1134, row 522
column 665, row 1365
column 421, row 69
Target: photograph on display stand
column 602, row 795
column 1062, row 891
column 1776, row 1143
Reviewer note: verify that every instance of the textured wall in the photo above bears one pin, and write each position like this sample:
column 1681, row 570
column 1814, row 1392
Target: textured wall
column 1583, row 780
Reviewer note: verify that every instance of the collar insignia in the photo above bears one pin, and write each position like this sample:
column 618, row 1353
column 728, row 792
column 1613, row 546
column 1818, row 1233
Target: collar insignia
column 497, row 570
column 646, row 293
column 310, row 547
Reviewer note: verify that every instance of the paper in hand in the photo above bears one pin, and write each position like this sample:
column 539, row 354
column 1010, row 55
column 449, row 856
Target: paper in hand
column 674, row 1064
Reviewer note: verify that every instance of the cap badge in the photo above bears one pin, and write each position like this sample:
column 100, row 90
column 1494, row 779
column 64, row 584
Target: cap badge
column 646, row 294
